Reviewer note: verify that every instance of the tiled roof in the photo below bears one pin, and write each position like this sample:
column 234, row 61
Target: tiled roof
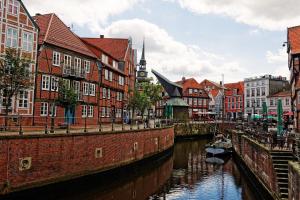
column 214, row 92
column 282, row 94
column 294, row 39
column 191, row 83
column 230, row 86
column 206, row 82
column 54, row 31
column 116, row 47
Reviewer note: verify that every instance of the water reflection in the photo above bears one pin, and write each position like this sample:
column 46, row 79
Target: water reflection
column 181, row 175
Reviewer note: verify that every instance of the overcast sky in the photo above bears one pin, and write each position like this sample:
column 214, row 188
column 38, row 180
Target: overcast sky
column 191, row 38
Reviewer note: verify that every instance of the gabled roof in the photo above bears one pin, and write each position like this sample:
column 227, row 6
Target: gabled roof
column 28, row 14
column 205, row 81
column 117, row 47
column 53, row 31
column 231, row 86
column 294, row 39
column 214, row 92
column 191, row 83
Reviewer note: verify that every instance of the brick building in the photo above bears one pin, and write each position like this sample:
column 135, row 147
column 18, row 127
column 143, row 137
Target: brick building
column 63, row 56
column 234, row 100
column 18, row 31
column 285, row 97
column 121, row 50
column 112, row 84
column 195, row 96
column 293, row 42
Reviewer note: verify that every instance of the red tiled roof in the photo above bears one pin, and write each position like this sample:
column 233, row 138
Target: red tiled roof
column 193, row 84
column 54, row 31
column 230, row 86
column 214, row 92
column 294, row 39
column 282, row 94
column 206, row 82
column 116, row 47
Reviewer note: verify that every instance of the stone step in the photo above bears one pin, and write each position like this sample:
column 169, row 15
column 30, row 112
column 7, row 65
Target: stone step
column 280, row 161
column 282, row 153
column 281, row 166
column 284, row 157
column 284, row 190
column 284, row 196
column 282, row 175
column 282, row 180
column 283, row 185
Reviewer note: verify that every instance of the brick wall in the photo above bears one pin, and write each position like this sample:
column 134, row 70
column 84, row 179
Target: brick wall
column 294, row 181
column 31, row 161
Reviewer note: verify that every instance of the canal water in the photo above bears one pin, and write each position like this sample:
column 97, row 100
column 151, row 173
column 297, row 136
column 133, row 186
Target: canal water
column 181, row 174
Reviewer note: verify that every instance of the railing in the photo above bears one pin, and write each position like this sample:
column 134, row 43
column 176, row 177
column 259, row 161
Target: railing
column 28, row 125
column 74, row 71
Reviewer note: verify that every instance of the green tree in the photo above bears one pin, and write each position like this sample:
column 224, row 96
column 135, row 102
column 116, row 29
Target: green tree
column 15, row 76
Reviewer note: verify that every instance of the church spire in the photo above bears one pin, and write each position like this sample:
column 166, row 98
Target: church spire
column 143, row 59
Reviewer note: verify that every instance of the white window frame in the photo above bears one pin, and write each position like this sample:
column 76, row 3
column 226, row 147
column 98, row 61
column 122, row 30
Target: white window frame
column 45, row 82
column 121, row 80
column 108, row 93
column 110, row 76
column 91, row 111
column 104, row 92
column 23, row 98
column 87, row 66
column 56, row 58
column 92, row 89
column 115, row 64
column 13, row 7
column 103, row 112
column 85, row 88
column 84, row 111
column 67, row 60
column 44, row 109
column 54, row 83
column 106, row 74
column 27, row 41
column 12, row 37
column 104, row 58
column 50, row 111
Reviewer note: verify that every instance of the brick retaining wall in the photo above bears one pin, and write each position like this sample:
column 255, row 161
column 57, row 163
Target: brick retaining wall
column 32, row 161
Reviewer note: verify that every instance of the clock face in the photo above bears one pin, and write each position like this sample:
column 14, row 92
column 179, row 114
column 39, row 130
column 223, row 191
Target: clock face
column 142, row 74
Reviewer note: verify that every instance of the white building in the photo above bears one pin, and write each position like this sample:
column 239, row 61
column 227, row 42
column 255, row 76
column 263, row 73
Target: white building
column 257, row 90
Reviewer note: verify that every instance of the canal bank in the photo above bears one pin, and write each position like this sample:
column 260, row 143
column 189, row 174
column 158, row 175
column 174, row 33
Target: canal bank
column 38, row 160
column 181, row 174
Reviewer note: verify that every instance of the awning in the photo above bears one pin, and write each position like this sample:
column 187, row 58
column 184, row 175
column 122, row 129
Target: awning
column 288, row 113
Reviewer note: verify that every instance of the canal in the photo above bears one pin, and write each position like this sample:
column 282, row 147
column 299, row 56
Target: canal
column 179, row 175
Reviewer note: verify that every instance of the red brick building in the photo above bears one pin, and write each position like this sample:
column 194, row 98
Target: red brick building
column 293, row 42
column 121, row 51
column 19, row 31
column 63, row 56
column 234, row 100
column 112, row 84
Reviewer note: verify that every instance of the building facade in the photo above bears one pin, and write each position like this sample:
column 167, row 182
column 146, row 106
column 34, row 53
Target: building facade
column 257, row 90
column 18, row 31
column 234, row 100
column 285, row 97
column 64, row 60
column 293, row 49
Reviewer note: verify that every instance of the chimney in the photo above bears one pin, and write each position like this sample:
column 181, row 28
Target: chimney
column 101, row 36
column 38, row 14
column 183, row 79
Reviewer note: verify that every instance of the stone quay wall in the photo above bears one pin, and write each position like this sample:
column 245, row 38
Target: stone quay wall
column 37, row 160
column 258, row 160
column 294, row 181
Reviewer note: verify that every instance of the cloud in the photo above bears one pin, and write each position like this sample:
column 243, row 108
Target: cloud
column 279, row 61
column 173, row 58
column 265, row 14
column 92, row 13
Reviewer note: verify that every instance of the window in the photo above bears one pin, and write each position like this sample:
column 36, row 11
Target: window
column 271, row 102
column 56, row 58
column 204, row 102
column 103, row 112
column 13, row 7
column 252, row 92
column 257, row 91
column 235, row 91
column 54, row 83
column 195, row 101
column 121, row 80
column 92, row 89
column 190, row 91
column 248, row 104
column 45, row 82
column 27, row 41
column 110, row 76
column 115, row 64
column 78, row 69
column 104, row 59
column 85, row 88
column 12, row 37
column 248, row 93
column 196, row 91
column 91, row 111
column 200, row 102
column 44, row 109
column 287, row 101
column 23, row 99
column 104, row 93
column 108, row 112
column 106, row 74
column 258, row 102
column 84, row 111
column 263, row 91
column 52, row 110
column 190, row 101
column 87, row 66
column 68, row 61
column 108, row 93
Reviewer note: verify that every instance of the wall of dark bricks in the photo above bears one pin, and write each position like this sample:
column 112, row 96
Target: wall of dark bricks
column 32, row 161
column 294, row 181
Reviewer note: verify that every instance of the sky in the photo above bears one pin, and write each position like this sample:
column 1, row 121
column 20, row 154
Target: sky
column 200, row 39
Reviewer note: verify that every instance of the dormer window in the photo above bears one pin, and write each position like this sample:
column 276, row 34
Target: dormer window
column 115, row 64
column 13, row 7
column 104, row 59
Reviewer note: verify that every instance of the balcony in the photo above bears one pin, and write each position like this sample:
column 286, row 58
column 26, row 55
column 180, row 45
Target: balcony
column 74, row 71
